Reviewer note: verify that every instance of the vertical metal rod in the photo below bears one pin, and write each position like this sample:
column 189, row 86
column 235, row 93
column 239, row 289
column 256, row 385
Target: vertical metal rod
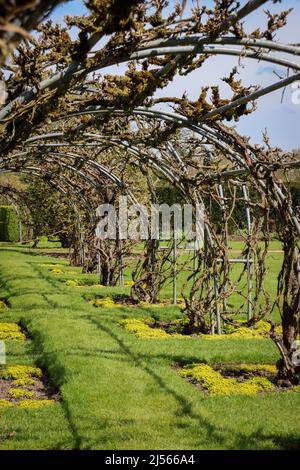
column 210, row 253
column 212, row 313
column 82, row 253
column 81, row 237
column 195, row 260
column 99, row 266
column 121, row 265
column 20, row 231
column 249, row 264
column 174, row 270
column 297, row 264
column 212, row 287
column 81, row 244
column 223, row 208
column 218, row 317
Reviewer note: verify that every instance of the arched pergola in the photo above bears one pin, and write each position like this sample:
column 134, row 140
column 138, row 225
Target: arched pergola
column 56, row 146
column 50, row 140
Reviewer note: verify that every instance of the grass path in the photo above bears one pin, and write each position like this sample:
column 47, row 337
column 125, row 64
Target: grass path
column 120, row 392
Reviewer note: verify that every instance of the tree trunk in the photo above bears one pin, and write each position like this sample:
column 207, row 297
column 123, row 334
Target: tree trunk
column 66, row 242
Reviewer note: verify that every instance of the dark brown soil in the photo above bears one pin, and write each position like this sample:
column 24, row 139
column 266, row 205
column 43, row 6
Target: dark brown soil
column 125, row 301
column 122, row 300
column 241, row 376
column 43, row 389
column 53, row 254
column 172, row 327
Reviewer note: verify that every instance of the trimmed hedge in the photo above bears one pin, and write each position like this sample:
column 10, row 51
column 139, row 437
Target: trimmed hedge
column 9, row 224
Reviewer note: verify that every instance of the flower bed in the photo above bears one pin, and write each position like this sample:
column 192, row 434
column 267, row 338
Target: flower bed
column 25, row 387
column 11, row 331
column 143, row 328
column 233, row 379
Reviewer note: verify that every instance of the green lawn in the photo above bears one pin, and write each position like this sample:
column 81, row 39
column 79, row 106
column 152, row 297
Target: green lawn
column 121, row 392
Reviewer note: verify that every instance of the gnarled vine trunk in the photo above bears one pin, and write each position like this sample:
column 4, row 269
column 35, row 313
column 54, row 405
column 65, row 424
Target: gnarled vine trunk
column 288, row 283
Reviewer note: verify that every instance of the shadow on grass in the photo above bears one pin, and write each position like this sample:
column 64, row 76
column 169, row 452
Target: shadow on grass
column 57, row 373
column 50, row 362
column 185, row 405
column 85, row 435
column 254, row 440
column 220, row 436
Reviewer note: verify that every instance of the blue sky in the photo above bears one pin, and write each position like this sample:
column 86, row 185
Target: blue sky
column 280, row 119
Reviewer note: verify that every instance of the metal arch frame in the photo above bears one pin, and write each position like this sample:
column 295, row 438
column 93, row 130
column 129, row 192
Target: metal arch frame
column 211, row 50
column 166, row 172
column 194, row 42
column 87, row 176
column 72, row 188
column 187, row 46
column 202, row 129
column 54, row 157
column 28, row 156
column 102, row 170
column 182, row 121
column 190, row 49
column 207, row 46
column 42, row 172
column 115, row 142
column 162, row 170
column 137, row 153
column 198, row 45
column 59, row 79
column 151, row 161
column 14, row 196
